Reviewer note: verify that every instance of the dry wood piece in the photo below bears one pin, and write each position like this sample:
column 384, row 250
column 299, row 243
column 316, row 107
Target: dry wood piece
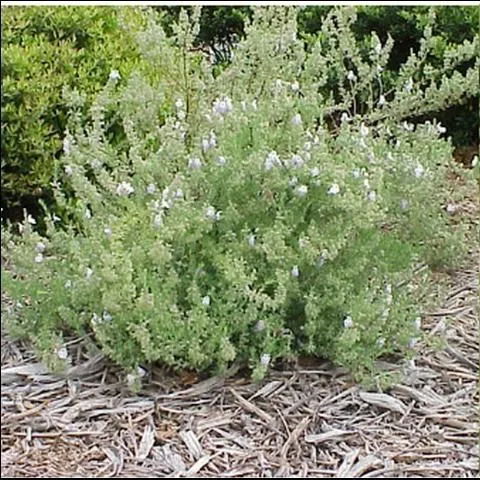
column 146, row 444
column 249, row 406
column 192, row 444
column 383, row 400
column 336, row 435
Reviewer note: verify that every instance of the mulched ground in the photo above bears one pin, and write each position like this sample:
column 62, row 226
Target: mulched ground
column 308, row 422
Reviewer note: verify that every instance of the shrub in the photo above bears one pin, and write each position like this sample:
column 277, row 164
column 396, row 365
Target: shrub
column 220, row 27
column 45, row 49
column 241, row 229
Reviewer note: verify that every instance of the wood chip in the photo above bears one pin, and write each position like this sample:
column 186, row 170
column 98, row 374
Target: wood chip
column 192, row 443
column 146, row 444
column 332, row 435
column 382, row 400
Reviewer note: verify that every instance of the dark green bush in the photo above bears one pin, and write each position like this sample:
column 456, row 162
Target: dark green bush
column 43, row 50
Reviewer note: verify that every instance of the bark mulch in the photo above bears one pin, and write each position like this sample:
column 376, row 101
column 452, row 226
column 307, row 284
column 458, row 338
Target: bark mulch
column 310, row 421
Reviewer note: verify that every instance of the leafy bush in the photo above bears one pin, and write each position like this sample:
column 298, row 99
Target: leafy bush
column 221, row 27
column 44, row 50
column 241, row 230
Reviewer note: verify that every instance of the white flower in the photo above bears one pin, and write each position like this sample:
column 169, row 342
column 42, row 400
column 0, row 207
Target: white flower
column 409, row 85
column 95, row 163
column 39, row 258
column 68, row 170
column 334, row 189
column 131, row 379
column 254, row 104
column 296, row 161
column 205, row 144
column 222, row 106
column 297, row 119
column 380, row 342
column 95, row 320
column 356, row 173
column 206, row 300
column 295, row 271
column 378, row 48
column 178, row 193
column 295, row 86
column 363, row 130
column 66, row 146
column 418, row 323
column 158, row 220
column 40, row 247
column 475, row 161
column 62, row 353
column 419, row 171
column 440, row 128
column 251, row 240
column 31, row 220
column 178, row 103
column 88, row 273
column 124, row 189
column 379, row 69
column 56, row 218
column 372, row 196
column 314, row 172
column 259, row 326
column 194, row 163
column 87, row 214
column 68, row 284
column 243, row 104
column 403, row 204
column 348, row 322
column 220, row 161
column 451, row 209
column 272, row 160
column 381, row 101
column 351, row 76
column 388, row 301
column 265, row 359
column 409, row 127
column 278, row 83
column 388, row 288
column 212, row 214
column 301, row 191
column 151, row 188
column 344, row 117
column 366, row 184
column 293, row 181
column 107, row 231
column 212, row 139
column 114, row 75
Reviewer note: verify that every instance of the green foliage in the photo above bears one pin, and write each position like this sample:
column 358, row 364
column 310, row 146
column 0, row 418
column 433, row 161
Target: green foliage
column 239, row 228
column 220, row 27
column 44, row 50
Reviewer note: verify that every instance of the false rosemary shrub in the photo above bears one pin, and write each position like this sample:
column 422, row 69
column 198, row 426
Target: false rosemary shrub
column 240, row 229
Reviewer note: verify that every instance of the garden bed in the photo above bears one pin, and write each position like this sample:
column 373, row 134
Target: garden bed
column 310, row 421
